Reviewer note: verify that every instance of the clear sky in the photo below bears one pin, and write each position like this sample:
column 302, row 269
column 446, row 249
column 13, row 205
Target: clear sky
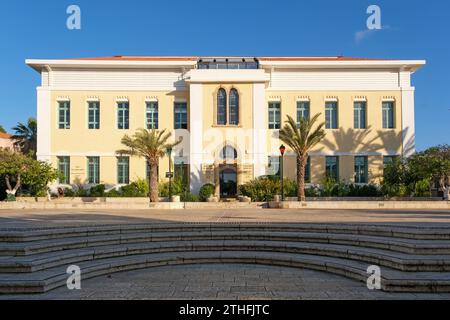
column 412, row 29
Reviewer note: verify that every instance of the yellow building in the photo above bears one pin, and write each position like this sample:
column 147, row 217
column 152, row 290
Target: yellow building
column 228, row 111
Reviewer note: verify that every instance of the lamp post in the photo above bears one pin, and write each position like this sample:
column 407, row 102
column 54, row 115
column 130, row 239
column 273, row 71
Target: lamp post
column 169, row 153
column 282, row 150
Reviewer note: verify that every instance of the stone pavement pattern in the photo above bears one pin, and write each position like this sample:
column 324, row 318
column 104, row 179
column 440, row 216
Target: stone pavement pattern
column 75, row 217
column 229, row 281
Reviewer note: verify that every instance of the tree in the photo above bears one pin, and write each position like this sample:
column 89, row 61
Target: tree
column 19, row 170
column 152, row 145
column 25, row 137
column 432, row 165
column 2, row 130
column 301, row 139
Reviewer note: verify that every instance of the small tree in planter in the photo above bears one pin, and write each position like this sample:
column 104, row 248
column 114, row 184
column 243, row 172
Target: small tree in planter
column 152, row 145
column 301, row 139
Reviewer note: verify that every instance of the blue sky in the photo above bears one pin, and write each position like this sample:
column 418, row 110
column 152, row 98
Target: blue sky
column 414, row 30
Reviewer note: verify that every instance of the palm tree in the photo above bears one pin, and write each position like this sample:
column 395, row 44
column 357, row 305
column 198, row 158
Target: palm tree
column 152, row 145
column 25, row 137
column 301, row 139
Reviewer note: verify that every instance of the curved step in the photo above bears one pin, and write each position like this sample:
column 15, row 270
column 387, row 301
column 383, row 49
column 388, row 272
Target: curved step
column 422, row 247
column 425, row 232
column 391, row 280
column 395, row 260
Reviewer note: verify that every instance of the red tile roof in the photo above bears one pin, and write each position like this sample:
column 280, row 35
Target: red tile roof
column 5, row 135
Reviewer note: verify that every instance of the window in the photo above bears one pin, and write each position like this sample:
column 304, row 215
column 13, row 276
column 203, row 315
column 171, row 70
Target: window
column 151, row 115
column 387, row 160
column 332, row 167
column 234, row 107
column 64, row 115
column 302, row 111
column 331, row 115
column 274, row 115
column 181, row 171
column 180, row 115
column 147, row 170
column 308, row 171
column 123, row 115
column 388, row 115
column 221, row 107
column 228, row 153
column 361, row 169
column 64, row 168
column 273, row 166
column 93, row 115
column 359, row 109
column 123, row 170
column 93, row 170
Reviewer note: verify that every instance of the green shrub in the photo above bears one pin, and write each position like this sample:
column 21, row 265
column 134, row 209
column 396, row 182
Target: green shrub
column 188, row 197
column 206, row 191
column 260, row 189
column 422, row 188
column 328, row 185
column 97, row 190
column 178, row 187
column 113, row 193
column 312, row 192
column 138, row 188
column 81, row 193
column 68, row 192
column 290, row 188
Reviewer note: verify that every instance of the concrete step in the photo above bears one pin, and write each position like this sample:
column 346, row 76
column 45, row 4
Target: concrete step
column 394, row 260
column 412, row 246
column 391, row 280
column 425, row 232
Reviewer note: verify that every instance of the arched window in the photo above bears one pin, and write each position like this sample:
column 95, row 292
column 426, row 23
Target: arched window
column 221, row 107
column 234, row 107
column 228, row 153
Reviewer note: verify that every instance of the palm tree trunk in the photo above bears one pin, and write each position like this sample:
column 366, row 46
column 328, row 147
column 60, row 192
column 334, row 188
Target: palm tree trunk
column 301, row 165
column 153, row 181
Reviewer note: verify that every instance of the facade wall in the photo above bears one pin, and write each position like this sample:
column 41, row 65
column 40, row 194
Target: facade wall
column 204, row 139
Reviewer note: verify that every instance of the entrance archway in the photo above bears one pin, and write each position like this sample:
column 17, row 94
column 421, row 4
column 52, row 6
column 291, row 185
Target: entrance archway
column 228, row 181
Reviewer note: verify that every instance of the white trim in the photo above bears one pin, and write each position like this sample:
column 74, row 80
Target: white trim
column 63, row 99
column 180, row 99
column 44, row 126
column 331, row 99
column 92, row 99
column 347, row 89
column 260, row 124
column 196, row 137
column 274, row 99
column 379, row 64
column 122, row 99
column 359, row 99
column 151, row 99
column 408, row 126
column 303, row 99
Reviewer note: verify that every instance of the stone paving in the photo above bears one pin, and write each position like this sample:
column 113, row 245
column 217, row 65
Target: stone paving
column 35, row 218
column 229, row 281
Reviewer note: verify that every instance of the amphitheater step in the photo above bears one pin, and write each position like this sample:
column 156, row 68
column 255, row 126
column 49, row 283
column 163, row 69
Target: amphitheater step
column 391, row 280
column 425, row 232
column 412, row 246
column 399, row 261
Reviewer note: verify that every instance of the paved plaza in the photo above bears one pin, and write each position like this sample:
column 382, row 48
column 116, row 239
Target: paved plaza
column 222, row 280
column 49, row 217
column 229, row 281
